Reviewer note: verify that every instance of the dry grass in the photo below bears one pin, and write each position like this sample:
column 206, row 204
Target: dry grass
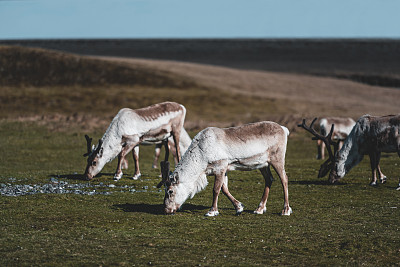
column 87, row 92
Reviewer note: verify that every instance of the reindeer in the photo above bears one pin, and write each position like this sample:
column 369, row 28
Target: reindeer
column 370, row 136
column 343, row 127
column 184, row 142
column 214, row 151
column 129, row 128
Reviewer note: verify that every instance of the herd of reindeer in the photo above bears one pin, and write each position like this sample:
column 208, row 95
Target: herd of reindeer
column 215, row 151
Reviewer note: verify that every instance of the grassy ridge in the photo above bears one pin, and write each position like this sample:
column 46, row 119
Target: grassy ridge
column 104, row 102
column 348, row 223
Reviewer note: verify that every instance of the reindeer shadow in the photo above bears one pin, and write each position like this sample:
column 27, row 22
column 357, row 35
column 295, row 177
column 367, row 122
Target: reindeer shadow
column 77, row 176
column 157, row 209
column 189, row 208
column 321, row 182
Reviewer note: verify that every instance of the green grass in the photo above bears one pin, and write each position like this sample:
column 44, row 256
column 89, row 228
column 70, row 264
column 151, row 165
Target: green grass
column 346, row 224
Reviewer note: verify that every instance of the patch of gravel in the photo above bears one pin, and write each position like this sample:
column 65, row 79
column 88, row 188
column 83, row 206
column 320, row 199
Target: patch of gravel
column 56, row 186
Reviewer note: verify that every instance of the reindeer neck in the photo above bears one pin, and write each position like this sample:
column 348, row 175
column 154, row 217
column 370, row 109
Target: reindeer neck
column 192, row 171
column 112, row 140
column 349, row 155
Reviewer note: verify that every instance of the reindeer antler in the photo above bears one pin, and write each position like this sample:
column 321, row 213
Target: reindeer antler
column 89, row 145
column 164, row 173
column 98, row 147
column 327, row 165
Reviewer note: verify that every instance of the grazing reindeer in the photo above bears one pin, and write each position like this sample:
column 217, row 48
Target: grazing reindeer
column 370, row 136
column 343, row 127
column 129, row 128
column 184, row 143
column 214, row 151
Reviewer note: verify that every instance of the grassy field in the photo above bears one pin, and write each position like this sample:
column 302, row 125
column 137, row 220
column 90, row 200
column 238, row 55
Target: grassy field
column 49, row 101
column 349, row 223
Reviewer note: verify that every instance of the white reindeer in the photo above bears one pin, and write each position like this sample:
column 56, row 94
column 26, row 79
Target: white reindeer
column 129, row 128
column 184, row 143
column 214, row 151
column 370, row 136
column 343, row 127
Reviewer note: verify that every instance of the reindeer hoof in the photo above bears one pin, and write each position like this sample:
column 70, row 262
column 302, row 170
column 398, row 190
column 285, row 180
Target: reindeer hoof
column 137, row 176
column 118, row 176
column 212, row 213
column 383, row 179
column 288, row 212
column 258, row 211
column 398, row 188
column 374, row 183
column 154, row 167
column 239, row 209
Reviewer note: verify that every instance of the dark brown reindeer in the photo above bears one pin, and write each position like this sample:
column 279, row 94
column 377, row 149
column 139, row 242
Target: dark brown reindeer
column 370, row 136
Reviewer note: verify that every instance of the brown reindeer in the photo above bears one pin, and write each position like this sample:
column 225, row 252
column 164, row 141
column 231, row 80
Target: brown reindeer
column 370, row 136
column 214, row 151
column 184, row 143
column 129, row 128
column 343, row 127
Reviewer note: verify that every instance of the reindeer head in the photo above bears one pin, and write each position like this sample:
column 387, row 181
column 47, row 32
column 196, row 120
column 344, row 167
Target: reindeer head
column 94, row 155
column 330, row 164
column 171, row 182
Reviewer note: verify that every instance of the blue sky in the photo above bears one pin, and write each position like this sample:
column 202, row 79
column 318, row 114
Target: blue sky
column 20, row 19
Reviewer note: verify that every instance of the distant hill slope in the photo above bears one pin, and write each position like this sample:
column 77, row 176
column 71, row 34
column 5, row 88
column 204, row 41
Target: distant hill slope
column 303, row 93
column 370, row 61
column 37, row 82
column 40, row 67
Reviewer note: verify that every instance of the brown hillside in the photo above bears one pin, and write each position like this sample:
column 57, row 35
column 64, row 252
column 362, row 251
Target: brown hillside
column 45, row 85
column 39, row 67
column 304, row 94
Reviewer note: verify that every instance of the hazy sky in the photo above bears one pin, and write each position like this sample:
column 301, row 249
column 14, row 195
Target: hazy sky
column 199, row 19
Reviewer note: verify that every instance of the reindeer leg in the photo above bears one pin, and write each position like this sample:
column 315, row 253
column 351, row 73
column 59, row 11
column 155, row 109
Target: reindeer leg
column 176, row 136
column 118, row 173
column 373, row 161
column 237, row 204
column 382, row 177
column 157, row 152
column 266, row 173
column 136, row 160
column 219, row 181
column 280, row 170
column 171, row 145
column 128, row 143
column 124, row 164
column 321, row 149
